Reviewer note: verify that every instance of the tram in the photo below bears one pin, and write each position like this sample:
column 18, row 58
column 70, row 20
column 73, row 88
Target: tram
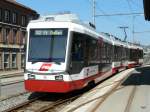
column 64, row 54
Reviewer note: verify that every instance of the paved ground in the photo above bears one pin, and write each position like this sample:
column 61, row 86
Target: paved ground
column 139, row 102
column 88, row 101
column 146, row 59
column 132, row 96
column 4, row 73
column 14, row 78
column 12, row 89
column 11, row 83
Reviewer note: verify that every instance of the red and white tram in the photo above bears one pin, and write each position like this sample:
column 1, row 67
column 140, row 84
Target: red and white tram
column 135, row 55
column 64, row 54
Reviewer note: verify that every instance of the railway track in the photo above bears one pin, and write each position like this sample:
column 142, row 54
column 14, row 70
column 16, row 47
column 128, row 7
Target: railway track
column 39, row 104
column 128, row 105
column 12, row 100
column 102, row 98
column 93, row 103
column 130, row 99
column 12, row 96
column 11, row 75
column 11, row 79
column 11, row 82
column 47, row 102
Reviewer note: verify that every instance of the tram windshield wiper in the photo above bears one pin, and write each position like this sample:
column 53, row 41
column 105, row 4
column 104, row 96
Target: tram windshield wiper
column 55, row 60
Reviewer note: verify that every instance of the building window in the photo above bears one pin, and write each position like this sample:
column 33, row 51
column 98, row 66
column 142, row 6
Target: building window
column 14, row 60
column 14, row 18
column 1, row 65
column 6, row 60
column 6, row 35
column 23, row 36
column 14, row 36
column 22, row 60
column 23, row 20
column 1, row 36
column 0, row 14
column 7, row 16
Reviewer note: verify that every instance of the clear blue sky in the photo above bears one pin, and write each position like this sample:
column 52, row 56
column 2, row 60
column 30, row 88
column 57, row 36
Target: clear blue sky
column 83, row 8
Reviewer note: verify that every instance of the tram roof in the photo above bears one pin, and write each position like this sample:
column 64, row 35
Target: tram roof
column 70, row 21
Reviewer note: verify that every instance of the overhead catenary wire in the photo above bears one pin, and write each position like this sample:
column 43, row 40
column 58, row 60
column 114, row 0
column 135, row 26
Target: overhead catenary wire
column 133, row 19
column 129, row 5
column 111, row 17
column 94, row 2
column 142, row 32
column 120, row 14
column 135, row 3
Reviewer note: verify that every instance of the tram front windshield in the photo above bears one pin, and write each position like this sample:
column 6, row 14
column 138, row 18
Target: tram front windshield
column 47, row 45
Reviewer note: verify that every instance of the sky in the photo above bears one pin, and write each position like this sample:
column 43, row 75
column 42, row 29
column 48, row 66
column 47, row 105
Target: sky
column 111, row 24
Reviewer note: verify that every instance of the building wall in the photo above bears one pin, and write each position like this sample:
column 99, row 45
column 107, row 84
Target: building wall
column 14, row 18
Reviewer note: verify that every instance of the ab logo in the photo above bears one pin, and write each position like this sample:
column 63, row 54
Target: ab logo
column 45, row 67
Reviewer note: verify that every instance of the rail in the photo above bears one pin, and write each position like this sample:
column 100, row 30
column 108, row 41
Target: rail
column 38, row 105
column 99, row 99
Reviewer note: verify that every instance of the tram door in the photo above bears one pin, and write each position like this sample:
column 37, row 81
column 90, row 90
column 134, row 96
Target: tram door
column 78, row 53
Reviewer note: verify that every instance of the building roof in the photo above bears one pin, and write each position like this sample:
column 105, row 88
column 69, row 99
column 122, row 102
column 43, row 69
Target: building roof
column 147, row 9
column 14, row 2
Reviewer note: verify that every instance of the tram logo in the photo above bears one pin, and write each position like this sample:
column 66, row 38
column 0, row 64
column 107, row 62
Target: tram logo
column 45, row 67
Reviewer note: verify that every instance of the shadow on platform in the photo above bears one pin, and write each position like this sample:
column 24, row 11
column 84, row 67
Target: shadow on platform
column 141, row 76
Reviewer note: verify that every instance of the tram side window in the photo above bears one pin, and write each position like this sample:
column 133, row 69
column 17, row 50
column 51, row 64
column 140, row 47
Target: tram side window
column 77, row 47
column 93, row 50
column 104, row 52
column 107, row 53
column 127, row 53
column 124, row 53
column 100, row 48
column 120, row 53
column 141, row 53
column 110, row 52
column 120, row 50
column 130, row 57
column 133, row 54
column 115, row 53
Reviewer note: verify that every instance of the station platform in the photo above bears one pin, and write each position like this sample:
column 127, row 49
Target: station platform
column 10, row 73
column 9, row 77
column 128, row 91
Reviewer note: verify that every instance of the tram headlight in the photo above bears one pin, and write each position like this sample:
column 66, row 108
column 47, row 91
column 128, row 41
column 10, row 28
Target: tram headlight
column 31, row 76
column 59, row 77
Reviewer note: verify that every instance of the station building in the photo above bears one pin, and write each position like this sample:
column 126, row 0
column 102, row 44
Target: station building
column 14, row 18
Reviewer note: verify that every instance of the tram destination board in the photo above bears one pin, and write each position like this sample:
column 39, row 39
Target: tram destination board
column 47, row 32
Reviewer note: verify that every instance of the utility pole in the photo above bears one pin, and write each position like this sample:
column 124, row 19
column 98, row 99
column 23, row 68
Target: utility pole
column 133, row 28
column 93, row 8
column 124, row 29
